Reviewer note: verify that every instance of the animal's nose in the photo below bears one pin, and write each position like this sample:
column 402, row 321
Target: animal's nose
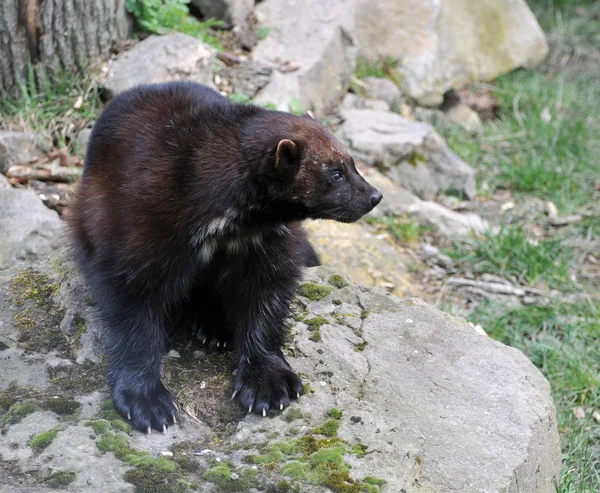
column 376, row 197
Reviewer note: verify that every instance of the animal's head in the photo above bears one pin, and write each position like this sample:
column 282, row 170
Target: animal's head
column 312, row 172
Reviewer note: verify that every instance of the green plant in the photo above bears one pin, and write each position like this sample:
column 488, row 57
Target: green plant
column 165, row 16
column 510, row 251
column 56, row 110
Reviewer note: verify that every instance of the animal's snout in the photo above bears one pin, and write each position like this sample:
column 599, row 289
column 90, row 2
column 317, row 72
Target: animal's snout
column 376, row 197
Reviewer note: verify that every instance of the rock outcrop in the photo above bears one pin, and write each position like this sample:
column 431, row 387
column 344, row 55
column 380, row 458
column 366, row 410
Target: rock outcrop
column 410, row 153
column 161, row 59
column 445, row 45
column 28, row 229
column 398, row 397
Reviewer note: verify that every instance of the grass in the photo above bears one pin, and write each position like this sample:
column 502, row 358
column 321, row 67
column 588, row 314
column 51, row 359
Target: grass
column 510, row 252
column 404, row 228
column 545, row 144
column 57, row 111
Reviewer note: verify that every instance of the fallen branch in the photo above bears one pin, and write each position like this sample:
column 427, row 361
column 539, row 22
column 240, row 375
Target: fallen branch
column 47, row 173
column 493, row 287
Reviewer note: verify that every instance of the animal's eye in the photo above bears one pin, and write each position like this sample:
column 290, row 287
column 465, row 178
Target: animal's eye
column 337, row 176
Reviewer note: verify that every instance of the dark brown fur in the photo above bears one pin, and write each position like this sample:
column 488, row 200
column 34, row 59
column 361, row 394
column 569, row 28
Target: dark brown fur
column 189, row 210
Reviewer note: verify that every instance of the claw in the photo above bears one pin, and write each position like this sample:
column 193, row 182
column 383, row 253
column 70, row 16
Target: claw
column 264, row 412
column 281, row 407
column 250, row 408
column 234, row 394
column 149, row 431
column 218, row 344
column 204, row 341
column 224, row 345
column 297, row 395
column 129, row 416
column 164, row 428
column 174, row 420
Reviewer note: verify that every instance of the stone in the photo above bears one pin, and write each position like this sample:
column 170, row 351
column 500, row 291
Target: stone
column 384, row 89
column 446, row 222
column 231, row 12
column 311, row 51
column 366, row 258
column 158, row 59
column 246, row 78
column 466, row 117
column 29, row 230
column 17, row 148
column 352, row 101
column 395, row 390
column 83, row 139
column 411, row 153
column 445, row 45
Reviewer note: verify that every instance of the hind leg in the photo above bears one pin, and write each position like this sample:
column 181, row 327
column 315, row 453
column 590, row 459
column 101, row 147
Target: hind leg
column 203, row 314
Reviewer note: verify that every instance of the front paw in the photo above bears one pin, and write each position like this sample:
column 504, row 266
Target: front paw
column 146, row 406
column 266, row 383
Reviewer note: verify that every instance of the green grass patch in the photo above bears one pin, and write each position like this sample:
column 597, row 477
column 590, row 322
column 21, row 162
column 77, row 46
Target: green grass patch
column 382, row 68
column 56, row 111
column 511, row 252
column 545, row 142
column 166, row 16
column 404, row 228
column 563, row 341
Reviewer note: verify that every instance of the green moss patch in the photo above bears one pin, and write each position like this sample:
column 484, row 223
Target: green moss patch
column 32, row 285
column 39, row 318
column 329, row 428
column 313, row 460
column 19, row 410
column 148, row 479
column 227, row 480
column 63, row 406
column 337, row 281
column 314, row 292
column 112, row 442
column 61, row 479
column 40, row 441
column 334, row 413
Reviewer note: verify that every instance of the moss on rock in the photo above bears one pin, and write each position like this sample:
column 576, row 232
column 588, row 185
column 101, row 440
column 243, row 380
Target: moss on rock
column 314, row 292
column 40, row 441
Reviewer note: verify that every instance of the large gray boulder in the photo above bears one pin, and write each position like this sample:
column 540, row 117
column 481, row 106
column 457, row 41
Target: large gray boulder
column 28, row 229
column 410, row 153
column 17, row 148
column 311, row 51
column 398, row 397
column 445, row 45
column 157, row 59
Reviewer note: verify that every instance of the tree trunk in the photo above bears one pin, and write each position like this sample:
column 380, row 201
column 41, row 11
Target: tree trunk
column 72, row 34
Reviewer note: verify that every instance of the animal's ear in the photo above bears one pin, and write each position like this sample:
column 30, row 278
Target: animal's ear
column 287, row 154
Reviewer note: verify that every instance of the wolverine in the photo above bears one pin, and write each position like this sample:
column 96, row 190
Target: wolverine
column 188, row 214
